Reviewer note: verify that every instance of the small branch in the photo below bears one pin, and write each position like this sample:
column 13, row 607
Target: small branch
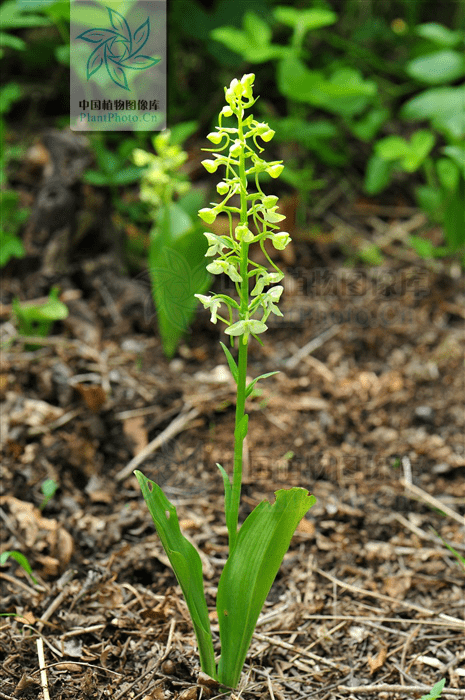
column 432, row 501
column 177, row 426
column 43, row 670
column 310, row 347
column 386, row 688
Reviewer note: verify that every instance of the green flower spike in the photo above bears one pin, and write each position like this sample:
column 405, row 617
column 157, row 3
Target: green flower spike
column 256, row 550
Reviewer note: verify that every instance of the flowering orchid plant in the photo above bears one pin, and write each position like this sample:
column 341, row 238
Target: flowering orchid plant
column 256, row 550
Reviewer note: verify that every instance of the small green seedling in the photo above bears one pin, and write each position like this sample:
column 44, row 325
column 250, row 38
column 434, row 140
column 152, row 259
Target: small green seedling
column 435, row 691
column 38, row 319
column 48, row 489
column 20, row 559
column 257, row 549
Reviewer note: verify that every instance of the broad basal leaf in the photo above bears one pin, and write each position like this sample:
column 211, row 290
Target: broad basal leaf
column 249, row 573
column 186, row 564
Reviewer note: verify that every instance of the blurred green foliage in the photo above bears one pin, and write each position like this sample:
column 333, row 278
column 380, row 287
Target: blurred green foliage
column 176, row 253
column 365, row 92
column 38, row 319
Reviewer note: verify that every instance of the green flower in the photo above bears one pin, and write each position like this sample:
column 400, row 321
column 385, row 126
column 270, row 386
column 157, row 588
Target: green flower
column 272, row 216
column 208, row 215
column 222, row 187
column 218, row 267
column 211, row 303
column 280, row 240
column 270, row 300
column 243, row 233
column 246, row 327
column 265, row 279
column 216, row 244
column 275, row 170
column 269, row 201
column 215, row 137
column 210, row 165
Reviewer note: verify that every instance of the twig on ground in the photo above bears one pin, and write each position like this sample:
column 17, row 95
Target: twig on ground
column 432, row 501
column 177, row 426
column 296, row 650
column 310, row 347
column 386, row 688
column 43, row 670
column 56, row 602
column 386, row 598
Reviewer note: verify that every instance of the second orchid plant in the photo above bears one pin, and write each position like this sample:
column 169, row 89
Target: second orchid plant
column 257, row 548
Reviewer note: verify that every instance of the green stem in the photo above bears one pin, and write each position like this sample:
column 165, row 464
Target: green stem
column 239, row 432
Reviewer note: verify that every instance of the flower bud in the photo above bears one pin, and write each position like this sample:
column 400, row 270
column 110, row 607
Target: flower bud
column 141, row 158
column 207, row 215
column 267, row 135
column 210, row 165
column 226, row 111
column 248, row 79
column 275, row 170
column 235, row 149
column 243, row 233
column 215, row 137
column 272, row 216
column 269, row 201
column 280, row 240
column 222, row 187
column 247, row 82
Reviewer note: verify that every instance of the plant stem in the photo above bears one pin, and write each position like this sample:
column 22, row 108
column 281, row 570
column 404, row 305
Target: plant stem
column 239, row 435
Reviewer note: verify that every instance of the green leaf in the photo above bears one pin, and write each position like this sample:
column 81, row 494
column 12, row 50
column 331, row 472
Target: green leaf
column 126, row 176
column 431, row 200
column 229, row 513
column 422, row 246
column 454, row 216
column 435, row 691
column 457, row 154
column 250, row 387
column 13, row 42
column 305, row 20
column 448, row 173
column 9, row 94
column 392, row 148
column 231, row 362
column 186, row 564
column 241, row 430
column 248, row 575
column 438, row 67
column 439, row 34
column 252, row 42
column 344, row 93
column 13, row 16
column 435, row 103
column 367, row 127
column 10, row 247
column 181, row 132
column 48, row 488
column 451, row 125
column 20, row 559
column 177, row 272
column 378, row 174
column 421, row 143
